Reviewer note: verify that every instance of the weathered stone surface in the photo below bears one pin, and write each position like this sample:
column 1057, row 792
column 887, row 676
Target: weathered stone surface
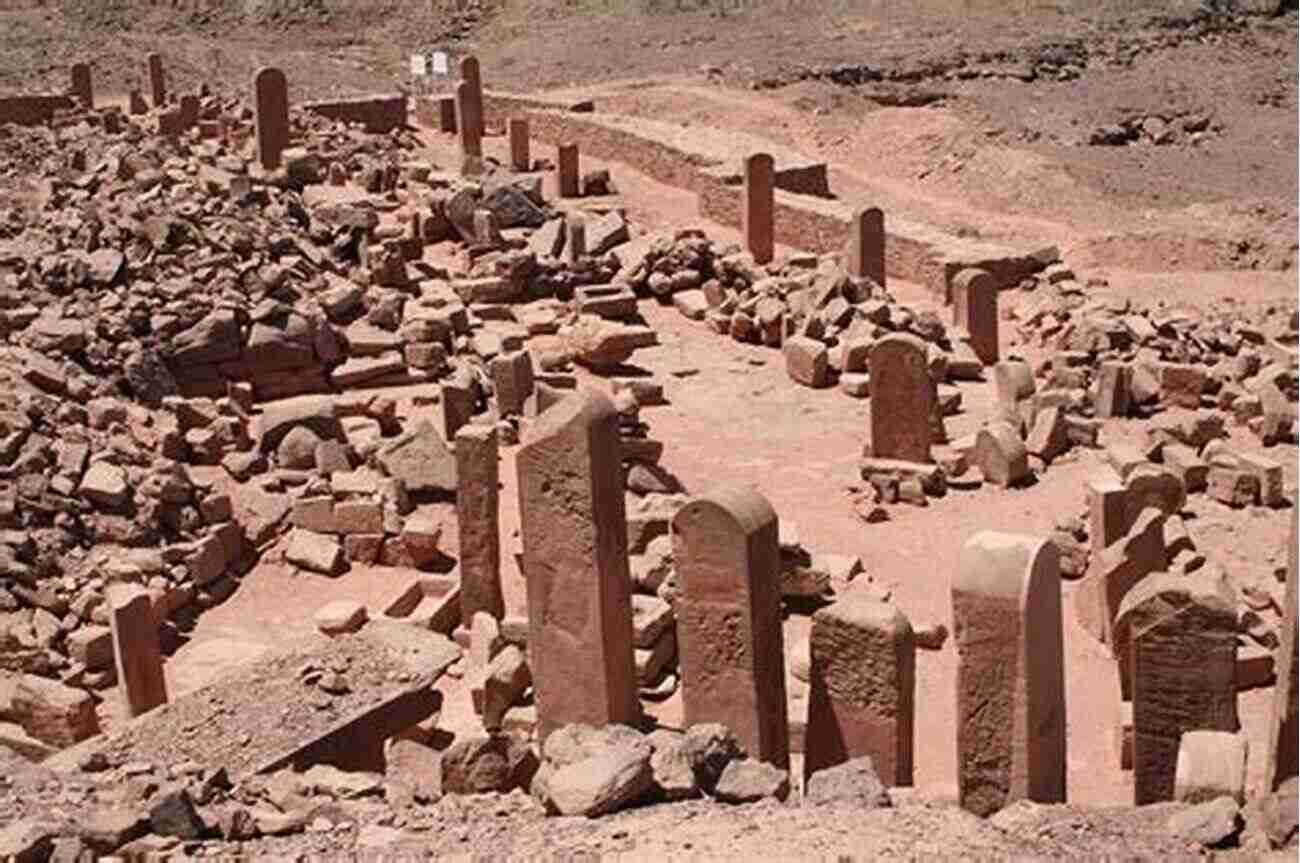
column 136, row 650
column 1211, row 764
column 479, row 764
column 1001, row 455
column 854, row 781
column 975, row 310
column 727, row 560
column 52, row 712
column 863, row 685
column 903, row 399
column 421, row 460
column 1210, row 824
column 602, row 783
column 575, row 561
column 1281, row 753
column 478, row 520
column 314, row 551
column 748, row 781
column 1010, row 675
column 1179, row 638
column 758, row 207
column 805, row 361
column 341, row 615
column 1115, row 570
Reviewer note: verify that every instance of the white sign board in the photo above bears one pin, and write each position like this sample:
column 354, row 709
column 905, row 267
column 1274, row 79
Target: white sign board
column 440, row 63
column 419, row 66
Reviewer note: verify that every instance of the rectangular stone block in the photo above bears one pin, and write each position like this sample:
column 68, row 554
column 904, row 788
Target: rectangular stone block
column 136, row 649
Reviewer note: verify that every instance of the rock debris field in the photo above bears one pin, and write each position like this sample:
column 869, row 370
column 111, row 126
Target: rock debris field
column 482, row 475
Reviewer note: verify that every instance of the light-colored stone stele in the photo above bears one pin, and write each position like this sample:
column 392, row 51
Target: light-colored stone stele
column 1179, row 634
column 1006, row 599
column 903, row 398
column 758, row 207
column 478, row 520
column 1281, row 756
column 863, row 688
column 574, row 529
column 729, row 619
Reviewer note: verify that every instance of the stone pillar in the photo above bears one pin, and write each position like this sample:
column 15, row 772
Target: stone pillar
column 271, row 97
column 447, row 114
column 903, row 399
column 1181, row 646
column 472, row 79
column 135, row 648
column 83, row 89
column 1106, row 510
column 975, row 310
column 1006, row 607
column 512, row 375
column 457, row 407
column 729, row 619
column 519, row 158
column 574, row 529
column 467, row 123
column 477, row 518
column 1281, row 757
column 157, row 84
column 189, row 111
column 863, row 686
column 758, row 206
column 1114, row 385
column 575, row 245
column 566, row 161
column 866, row 254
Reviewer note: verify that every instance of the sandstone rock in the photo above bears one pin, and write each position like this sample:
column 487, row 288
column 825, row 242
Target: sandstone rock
column 341, row 615
column 484, row 763
column 602, row 783
column 314, row 551
column 748, row 781
column 853, row 781
column 105, row 486
column 1210, row 824
column 421, row 460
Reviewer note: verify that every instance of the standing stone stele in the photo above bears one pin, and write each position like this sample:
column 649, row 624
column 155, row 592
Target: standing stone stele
column 566, row 166
column 1282, row 735
column 866, row 254
column 83, row 88
column 729, row 619
column 1006, row 607
column 478, row 521
column 574, row 528
column 520, row 160
column 862, row 688
column 467, row 124
column 903, row 399
column 975, row 310
column 1180, row 637
column 135, row 648
column 758, row 207
column 271, row 98
column 157, row 83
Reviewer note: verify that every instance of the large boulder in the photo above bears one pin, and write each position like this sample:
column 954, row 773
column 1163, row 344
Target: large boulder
column 214, row 339
column 421, row 460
